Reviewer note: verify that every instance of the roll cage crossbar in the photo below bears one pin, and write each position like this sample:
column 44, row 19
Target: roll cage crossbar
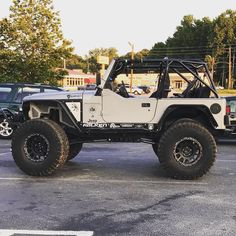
column 163, row 67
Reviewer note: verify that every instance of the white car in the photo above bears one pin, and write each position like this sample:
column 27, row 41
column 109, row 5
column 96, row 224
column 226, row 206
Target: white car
column 135, row 90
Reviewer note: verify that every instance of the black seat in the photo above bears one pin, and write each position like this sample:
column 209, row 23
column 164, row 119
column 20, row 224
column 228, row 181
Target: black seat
column 202, row 92
column 166, row 89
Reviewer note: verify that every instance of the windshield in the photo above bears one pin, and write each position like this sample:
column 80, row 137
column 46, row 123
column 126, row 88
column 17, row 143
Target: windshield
column 5, row 93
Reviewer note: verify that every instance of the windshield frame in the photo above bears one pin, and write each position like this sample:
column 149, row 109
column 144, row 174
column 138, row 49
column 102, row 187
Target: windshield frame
column 107, row 73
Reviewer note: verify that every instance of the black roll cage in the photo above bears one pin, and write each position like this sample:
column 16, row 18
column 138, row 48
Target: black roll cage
column 163, row 67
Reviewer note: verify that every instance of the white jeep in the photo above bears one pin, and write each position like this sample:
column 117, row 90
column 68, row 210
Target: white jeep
column 181, row 128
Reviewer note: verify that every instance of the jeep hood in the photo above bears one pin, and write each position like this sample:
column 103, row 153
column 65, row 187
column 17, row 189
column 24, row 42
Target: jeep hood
column 60, row 95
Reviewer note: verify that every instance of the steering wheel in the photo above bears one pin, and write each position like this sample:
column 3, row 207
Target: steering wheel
column 122, row 91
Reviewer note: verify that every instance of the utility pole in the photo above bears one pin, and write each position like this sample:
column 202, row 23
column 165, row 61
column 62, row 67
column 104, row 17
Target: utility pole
column 212, row 70
column 132, row 71
column 233, row 70
column 230, row 69
column 64, row 63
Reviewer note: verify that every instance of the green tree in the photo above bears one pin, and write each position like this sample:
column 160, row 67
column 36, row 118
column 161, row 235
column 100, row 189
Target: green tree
column 138, row 55
column 33, row 42
column 159, row 50
column 224, row 35
column 224, row 31
column 76, row 62
column 191, row 39
column 91, row 58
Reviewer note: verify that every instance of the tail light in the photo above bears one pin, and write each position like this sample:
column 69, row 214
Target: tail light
column 228, row 110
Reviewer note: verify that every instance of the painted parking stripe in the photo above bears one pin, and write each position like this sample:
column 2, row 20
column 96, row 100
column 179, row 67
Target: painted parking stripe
column 4, row 232
column 5, row 153
column 226, row 160
column 102, row 181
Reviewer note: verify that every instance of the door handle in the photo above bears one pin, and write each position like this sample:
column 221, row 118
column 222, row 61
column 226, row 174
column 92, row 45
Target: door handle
column 146, row 104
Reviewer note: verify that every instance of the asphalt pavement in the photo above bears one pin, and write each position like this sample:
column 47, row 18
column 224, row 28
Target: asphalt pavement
column 118, row 189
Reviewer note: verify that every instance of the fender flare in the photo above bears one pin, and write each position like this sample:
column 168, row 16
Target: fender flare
column 177, row 109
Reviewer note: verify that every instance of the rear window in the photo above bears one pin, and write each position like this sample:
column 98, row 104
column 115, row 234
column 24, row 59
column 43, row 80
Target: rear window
column 5, row 93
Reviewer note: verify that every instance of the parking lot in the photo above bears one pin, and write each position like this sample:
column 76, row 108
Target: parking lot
column 119, row 189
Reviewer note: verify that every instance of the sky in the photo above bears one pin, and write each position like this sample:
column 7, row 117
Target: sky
column 105, row 23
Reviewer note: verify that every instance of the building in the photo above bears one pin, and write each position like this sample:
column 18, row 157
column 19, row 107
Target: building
column 77, row 78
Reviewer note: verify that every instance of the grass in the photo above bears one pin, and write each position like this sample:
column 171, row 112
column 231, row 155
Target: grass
column 227, row 91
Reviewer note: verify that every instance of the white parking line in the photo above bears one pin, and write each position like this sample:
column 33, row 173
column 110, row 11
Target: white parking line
column 104, row 181
column 5, row 153
column 226, row 160
column 4, row 232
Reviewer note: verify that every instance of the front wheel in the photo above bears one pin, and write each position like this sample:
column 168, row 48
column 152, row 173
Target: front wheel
column 187, row 150
column 39, row 147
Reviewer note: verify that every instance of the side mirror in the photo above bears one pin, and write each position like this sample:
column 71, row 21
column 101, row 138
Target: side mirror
column 98, row 79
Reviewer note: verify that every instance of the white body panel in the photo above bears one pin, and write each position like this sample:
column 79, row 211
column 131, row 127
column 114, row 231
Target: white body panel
column 55, row 96
column 113, row 108
column 164, row 103
column 75, row 108
column 117, row 109
column 92, row 110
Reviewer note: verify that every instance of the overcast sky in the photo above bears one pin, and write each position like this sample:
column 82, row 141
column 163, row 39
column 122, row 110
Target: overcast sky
column 106, row 23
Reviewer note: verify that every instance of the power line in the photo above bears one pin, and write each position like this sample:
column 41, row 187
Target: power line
column 194, row 47
column 177, row 53
column 193, row 52
column 181, row 50
column 187, row 50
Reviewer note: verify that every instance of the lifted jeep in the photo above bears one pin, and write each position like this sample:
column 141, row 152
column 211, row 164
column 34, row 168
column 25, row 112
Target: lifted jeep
column 181, row 127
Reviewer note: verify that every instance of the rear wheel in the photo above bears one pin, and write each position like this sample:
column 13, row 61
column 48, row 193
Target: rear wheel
column 74, row 150
column 39, row 147
column 187, row 150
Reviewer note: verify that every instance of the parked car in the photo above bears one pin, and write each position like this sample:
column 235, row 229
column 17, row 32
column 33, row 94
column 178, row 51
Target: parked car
column 11, row 97
column 146, row 89
column 90, row 87
column 135, row 89
column 231, row 102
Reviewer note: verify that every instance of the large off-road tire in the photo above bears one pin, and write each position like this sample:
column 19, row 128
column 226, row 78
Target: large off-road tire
column 186, row 150
column 39, row 147
column 74, row 150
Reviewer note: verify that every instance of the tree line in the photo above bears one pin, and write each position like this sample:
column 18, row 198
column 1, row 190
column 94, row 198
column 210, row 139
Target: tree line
column 33, row 48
